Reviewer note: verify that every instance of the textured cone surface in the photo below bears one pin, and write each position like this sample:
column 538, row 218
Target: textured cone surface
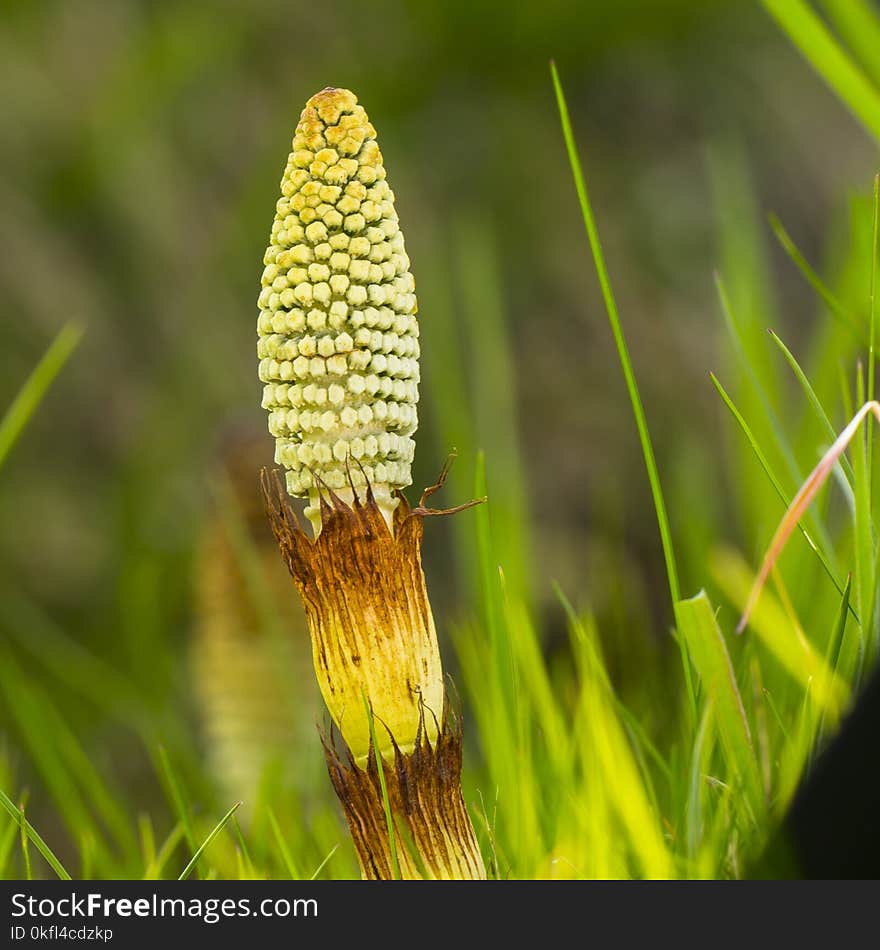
column 338, row 336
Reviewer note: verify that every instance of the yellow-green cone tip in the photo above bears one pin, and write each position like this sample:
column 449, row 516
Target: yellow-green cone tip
column 338, row 335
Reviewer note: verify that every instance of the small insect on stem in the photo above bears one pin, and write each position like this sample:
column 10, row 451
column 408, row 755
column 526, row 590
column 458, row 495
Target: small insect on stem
column 808, row 491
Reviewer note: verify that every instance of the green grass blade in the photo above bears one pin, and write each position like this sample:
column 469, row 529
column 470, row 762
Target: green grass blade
column 34, row 836
column 409, row 846
column 245, row 853
column 863, row 454
column 872, row 335
column 146, row 839
column 819, row 47
column 503, row 659
column 324, row 863
column 813, row 400
column 858, row 23
column 386, row 802
column 865, row 578
column 779, row 632
column 700, row 752
column 779, row 432
column 625, row 362
column 47, row 727
column 833, row 652
column 494, row 405
column 786, row 501
column 638, row 735
column 835, row 307
column 284, row 850
column 835, row 641
column 35, row 387
column 155, row 867
column 194, row 860
column 63, row 767
column 7, row 842
column 618, row 786
column 175, row 790
column 25, row 848
column 696, row 621
column 62, row 656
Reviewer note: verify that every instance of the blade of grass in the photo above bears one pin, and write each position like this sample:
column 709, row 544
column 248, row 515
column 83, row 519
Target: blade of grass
column 778, row 631
column 872, row 308
column 795, row 754
column 700, row 753
column 177, row 800
column 819, row 47
column 61, row 655
column 242, row 844
column 35, row 387
column 488, row 827
column 286, row 856
column 707, row 648
column 626, row 365
column 323, row 864
column 864, row 536
column 762, row 459
column 447, row 397
column 801, row 501
column 163, row 855
column 194, row 860
column 23, row 838
column 864, row 494
column 410, row 846
column 7, row 842
column 505, row 711
column 759, row 717
column 386, row 803
column 779, row 432
column 608, row 754
column 637, row 731
column 832, row 656
column 147, row 839
column 858, row 23
column 835, row 307
column 813, row 400
column 493, row 405
column 40, row 845
column 60, row 767
column 47, row 728
column 835, row 641
column 88, row 856
column 504, row 664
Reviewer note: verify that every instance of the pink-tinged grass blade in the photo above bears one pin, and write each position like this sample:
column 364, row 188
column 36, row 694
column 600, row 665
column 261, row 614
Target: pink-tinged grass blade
column 801, row 502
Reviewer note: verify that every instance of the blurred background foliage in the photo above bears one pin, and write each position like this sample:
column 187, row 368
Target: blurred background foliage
column 141, row 144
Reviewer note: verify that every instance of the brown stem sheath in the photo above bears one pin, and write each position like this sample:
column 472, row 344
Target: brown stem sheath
column 373, row 637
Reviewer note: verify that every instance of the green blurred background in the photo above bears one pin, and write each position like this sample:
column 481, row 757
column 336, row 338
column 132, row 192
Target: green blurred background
column 141, row 145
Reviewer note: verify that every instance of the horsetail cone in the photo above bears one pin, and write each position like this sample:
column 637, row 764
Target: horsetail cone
column 338, row 348
column 338, row 336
